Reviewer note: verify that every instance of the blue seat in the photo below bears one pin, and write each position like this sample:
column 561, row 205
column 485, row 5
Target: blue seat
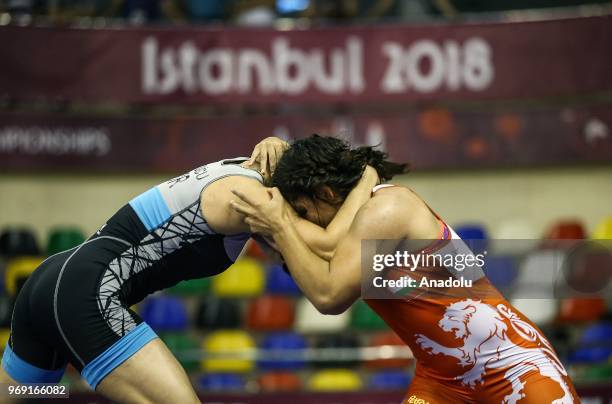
column 594, row 354
column 279, row 282
column 283, row 351
column 597, row 333
column 474, row 235
column 389, row 380
column 165, row 313
column 502, row 271
column 221, row 382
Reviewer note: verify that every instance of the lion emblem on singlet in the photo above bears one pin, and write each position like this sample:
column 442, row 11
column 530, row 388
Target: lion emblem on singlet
column 486, row 345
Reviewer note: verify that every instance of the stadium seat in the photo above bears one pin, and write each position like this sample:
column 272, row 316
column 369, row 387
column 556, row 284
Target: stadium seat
column 218, row 313
column 540, row 311
column 588, row 268
column 221, row 382
column 309, row 320
column 3, row 263
column 282, row 351
column 474, row 235
column 389, row 339
column 597, row 333
column 279, row 282
column 566, row 230
column 6, row 310
column 164, row 313
column 591, row 354
column 18, row 241
column 271, row 313
column 5, row 334
column 184, row 349
column 364, row 318
column 603, row 230
column 581, row 310
column 17, row 272
column 254, row 251
column 64, row 238
column 228, row 351
column 514, row 236
column 502, row 271
column 273, row 382
column 597, row 373
column 471, row 231
column 389, row 380
column 539, row 272
column 193, row 287
column 340, row 350
column 245, row 278
column 335, row 380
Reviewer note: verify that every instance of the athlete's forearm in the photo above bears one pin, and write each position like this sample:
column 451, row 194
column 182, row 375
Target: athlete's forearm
column 323, row 241
column 310, row 272
column 339, row 226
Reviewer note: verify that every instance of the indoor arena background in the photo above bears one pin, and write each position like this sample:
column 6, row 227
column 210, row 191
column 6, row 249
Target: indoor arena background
column 502, row 108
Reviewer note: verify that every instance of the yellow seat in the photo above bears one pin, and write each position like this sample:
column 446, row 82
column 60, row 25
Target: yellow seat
column 5, row 333
column 228, row 351
column 335, row 380
column 243, row 279
column 17, row 271
column 603, row 231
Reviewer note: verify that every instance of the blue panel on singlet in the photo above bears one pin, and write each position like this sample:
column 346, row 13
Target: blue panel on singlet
column 151, row 208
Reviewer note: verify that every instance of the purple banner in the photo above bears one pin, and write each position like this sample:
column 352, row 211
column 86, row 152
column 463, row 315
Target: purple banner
column 346, row 65
column 428, row 138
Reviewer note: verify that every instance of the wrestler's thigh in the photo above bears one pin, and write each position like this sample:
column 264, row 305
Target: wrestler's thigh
column 151, row 375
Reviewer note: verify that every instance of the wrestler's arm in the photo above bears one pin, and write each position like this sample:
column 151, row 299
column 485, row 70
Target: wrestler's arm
column 323, row 241
column 333, row 285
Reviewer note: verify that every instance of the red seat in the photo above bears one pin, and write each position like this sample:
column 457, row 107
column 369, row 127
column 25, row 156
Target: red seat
column 271, row 313
column 279, row 381
column 400, row 357
column 581, row 310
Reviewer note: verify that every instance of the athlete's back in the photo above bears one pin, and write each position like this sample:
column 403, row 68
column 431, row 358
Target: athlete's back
column 81, row 298
column 470, row 344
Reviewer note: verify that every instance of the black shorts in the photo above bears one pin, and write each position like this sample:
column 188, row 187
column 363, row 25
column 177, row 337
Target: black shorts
column 59, row 318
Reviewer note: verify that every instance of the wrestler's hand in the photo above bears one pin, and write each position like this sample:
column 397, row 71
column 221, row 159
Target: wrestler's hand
column 266, row 154
column 369, row 177
column 267, row 217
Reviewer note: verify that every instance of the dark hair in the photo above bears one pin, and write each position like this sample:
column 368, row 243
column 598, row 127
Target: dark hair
column 317, row 160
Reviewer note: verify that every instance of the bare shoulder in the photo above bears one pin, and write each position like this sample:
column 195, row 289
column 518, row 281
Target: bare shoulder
column 396, row 212
column 215, row 202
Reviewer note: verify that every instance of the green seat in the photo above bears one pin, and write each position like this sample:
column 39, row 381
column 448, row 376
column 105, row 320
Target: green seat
column 191, row 287
column 599, row 373
column 364, row 318
column 184, row 349
column 64, row 238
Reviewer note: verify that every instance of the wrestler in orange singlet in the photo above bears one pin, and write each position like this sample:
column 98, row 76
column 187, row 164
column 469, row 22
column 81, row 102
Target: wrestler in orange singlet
column 470, row 344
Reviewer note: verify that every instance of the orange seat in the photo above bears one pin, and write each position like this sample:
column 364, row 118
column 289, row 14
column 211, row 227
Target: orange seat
column 392, row 352
column 279, row 381
column 271, row 313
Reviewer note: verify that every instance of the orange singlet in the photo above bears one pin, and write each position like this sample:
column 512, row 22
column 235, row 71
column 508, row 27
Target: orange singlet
column 472, row 346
